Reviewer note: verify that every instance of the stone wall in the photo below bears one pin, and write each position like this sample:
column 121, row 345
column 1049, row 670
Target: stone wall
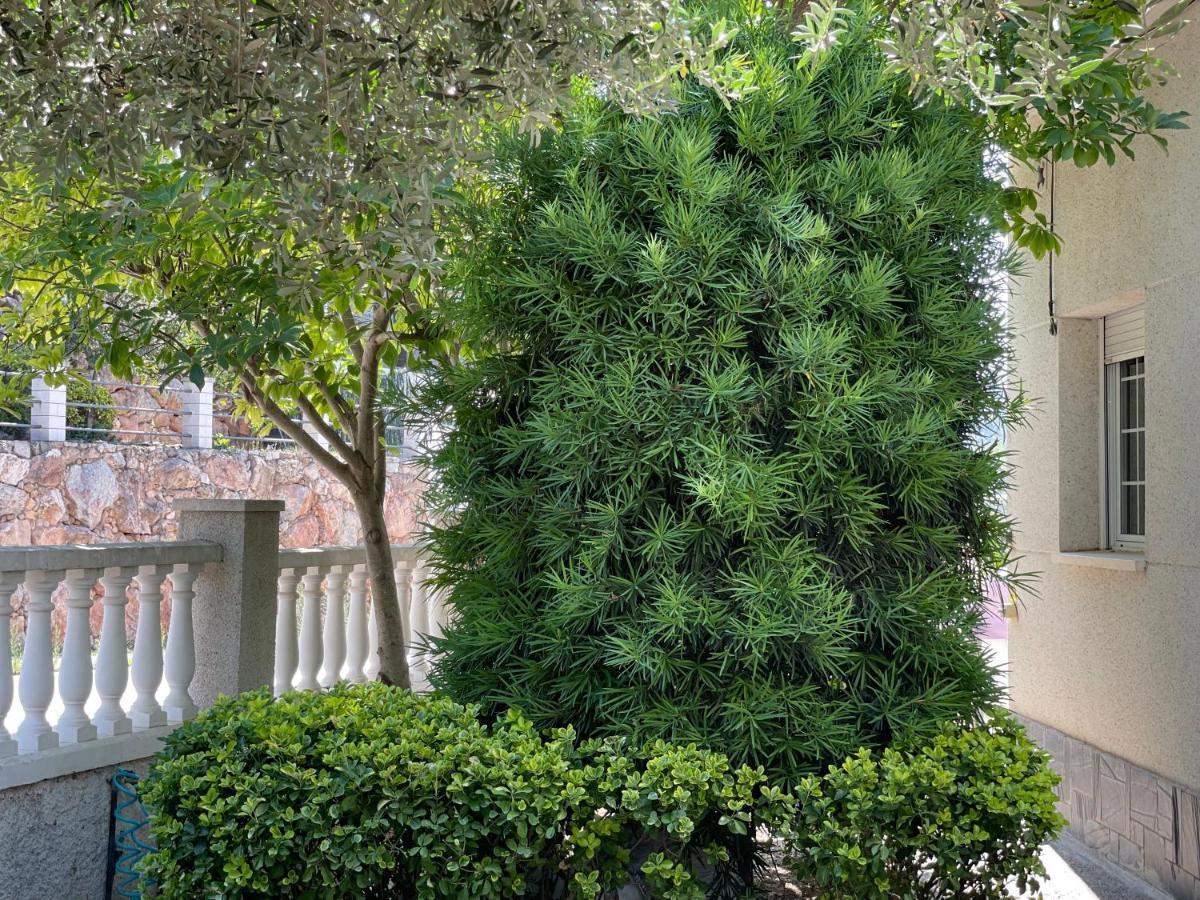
column 92, row 493
column 1130, row 816
column 88, row 493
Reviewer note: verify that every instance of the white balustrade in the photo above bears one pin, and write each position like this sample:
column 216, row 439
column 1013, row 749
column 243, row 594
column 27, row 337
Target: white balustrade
column 310, row 628
column 146, row 711
column 180, row 663
column 102, row 700
column 356, row 627
column 75, row 671
column 286, row 645
column 54, row 716
column 8, row 584
column 334, row 634
column 36, row 688
column 371, row 669
column 338, row 634
column 418, row 663
column 112, row 669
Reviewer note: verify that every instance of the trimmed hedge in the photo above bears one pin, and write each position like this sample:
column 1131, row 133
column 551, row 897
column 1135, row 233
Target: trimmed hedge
column 964, row 816
column 369, row 791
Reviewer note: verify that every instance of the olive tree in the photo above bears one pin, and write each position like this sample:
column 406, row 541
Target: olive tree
column 250, row 189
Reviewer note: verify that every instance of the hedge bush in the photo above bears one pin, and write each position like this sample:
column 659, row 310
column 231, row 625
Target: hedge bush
column 964, row 816
column 721, row 477
column 370, row 791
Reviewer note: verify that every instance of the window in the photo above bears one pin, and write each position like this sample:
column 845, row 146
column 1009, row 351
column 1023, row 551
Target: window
column 1125, row 426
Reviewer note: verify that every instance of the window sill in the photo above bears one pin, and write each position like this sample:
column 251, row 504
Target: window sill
column 1120, row 560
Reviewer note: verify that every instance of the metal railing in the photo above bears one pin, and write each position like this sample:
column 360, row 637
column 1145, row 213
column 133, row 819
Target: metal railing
column 175, row 413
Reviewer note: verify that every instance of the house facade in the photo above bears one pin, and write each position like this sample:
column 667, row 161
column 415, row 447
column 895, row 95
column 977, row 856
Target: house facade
column 1105, row 655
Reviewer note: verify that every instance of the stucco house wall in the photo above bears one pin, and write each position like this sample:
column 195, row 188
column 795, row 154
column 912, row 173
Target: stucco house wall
column 1106, row 661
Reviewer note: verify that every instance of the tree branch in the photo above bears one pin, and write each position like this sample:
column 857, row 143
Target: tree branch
column 341, row 409
column 292, row 429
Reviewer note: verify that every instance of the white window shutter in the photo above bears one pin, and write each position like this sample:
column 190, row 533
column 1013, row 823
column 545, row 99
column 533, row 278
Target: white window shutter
column 1125, row 335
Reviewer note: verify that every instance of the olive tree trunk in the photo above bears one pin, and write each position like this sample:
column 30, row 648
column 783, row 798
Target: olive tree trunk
column 393, row 653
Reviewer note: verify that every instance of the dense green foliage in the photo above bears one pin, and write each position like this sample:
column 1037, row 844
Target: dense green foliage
column 371, row 791
column 964, row 816
column 723, row 483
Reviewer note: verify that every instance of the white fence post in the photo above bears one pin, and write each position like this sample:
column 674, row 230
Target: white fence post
column 146, row 711
column 75, row 670
column 8, row 584
column 48, row 415
column 311, row 430
column 286, row 643
column 36, row 687
column 180, row 663
column 310, row 628
column 112, row 669
column 234, row 609
column 198, row 416
column 356, row 627
column 334, row 640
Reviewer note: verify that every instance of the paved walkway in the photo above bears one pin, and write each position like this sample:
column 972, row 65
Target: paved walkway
column 1077, row 874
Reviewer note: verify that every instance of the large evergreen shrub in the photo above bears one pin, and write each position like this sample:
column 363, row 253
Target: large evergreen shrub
column 721, row 480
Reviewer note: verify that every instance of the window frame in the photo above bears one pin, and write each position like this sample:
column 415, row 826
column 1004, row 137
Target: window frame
column 1112, row 395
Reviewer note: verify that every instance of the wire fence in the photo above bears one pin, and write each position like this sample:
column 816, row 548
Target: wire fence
column 107, row 410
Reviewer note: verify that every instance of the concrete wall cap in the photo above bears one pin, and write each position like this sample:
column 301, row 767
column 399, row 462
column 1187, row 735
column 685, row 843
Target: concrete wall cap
column 228, row 505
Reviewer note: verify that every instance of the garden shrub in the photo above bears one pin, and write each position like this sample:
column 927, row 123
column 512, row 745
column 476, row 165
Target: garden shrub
column 964, row 816
column 370, row 791
column 719, row 475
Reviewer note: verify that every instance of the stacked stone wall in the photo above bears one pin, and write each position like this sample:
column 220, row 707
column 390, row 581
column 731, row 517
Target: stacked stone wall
column 94, row 493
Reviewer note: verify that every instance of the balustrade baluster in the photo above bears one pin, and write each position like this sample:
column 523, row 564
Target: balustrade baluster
column 335, row 627
column 36, row 687
column 310, row 629
column 112, row 669
column 356, row 627
column 286, row 649
column 9, row 582
column 180, row 663
column 418, row 663
column 404, row 594
column 75, row 670
column 371, row 668
column 148, row 649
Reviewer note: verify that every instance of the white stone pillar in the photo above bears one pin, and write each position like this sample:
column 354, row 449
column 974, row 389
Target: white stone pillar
column 8, row 584
column 334, row 640
column 311, row 430
column 418, row 659
column 372, row 666
column 198, row 416
column 357, row 631
column 112, row 667
column 310, row 629
column 36, row 687
column 75, row 670
column 48, row 415
column 286, row 644
column 147, row 649
column 180, row 662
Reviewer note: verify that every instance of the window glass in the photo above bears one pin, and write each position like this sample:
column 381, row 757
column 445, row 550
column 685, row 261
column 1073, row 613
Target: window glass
column 1131, row 444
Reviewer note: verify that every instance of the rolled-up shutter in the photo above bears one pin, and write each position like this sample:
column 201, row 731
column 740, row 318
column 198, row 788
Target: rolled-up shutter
column 1125, row 335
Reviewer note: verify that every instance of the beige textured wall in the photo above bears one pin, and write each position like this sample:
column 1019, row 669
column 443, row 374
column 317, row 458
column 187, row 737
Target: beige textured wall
column 1109, row 657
